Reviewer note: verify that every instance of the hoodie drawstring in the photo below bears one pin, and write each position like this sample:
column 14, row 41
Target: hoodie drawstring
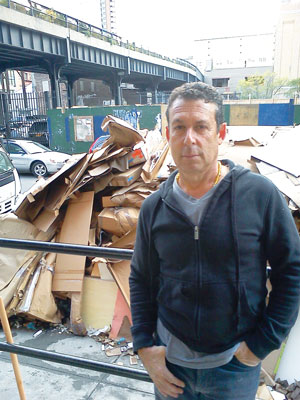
column 236, row 251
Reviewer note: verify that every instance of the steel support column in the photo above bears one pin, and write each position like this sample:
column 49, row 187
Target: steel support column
column 70, row 86
column 54, row 75
column 115, row 86
column 154, row 94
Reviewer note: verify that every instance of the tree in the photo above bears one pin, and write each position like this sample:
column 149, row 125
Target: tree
column 264, row 86
column 294, row 88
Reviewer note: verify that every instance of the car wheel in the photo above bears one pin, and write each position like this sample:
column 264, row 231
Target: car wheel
column 38, row 168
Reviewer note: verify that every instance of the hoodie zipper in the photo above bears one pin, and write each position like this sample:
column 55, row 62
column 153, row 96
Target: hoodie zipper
column 198, row 263
column 199, row 278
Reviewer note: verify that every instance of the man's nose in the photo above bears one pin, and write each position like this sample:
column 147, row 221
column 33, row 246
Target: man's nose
column 190, row 136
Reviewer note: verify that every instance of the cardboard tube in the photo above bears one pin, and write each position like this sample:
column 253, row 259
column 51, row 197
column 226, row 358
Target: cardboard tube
column 14, row 358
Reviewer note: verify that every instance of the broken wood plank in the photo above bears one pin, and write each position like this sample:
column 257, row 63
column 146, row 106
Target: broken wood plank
column 120, row 271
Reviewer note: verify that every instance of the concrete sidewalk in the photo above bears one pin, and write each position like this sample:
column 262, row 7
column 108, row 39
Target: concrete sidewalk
column 47, row 380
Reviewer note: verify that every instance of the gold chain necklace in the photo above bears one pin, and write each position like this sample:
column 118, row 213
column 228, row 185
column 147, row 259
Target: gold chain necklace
column 218, row 176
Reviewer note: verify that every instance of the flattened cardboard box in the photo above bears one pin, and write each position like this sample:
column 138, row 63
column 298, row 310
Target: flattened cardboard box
column 126, row 178
column 118, row 220
column 138, row 155
column 120, row 131
column 152, row 167
column 69, row 269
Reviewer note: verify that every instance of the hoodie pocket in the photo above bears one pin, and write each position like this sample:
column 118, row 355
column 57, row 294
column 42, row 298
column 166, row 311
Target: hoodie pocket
column 217, row 314
column 177, row 300
column 249, row 313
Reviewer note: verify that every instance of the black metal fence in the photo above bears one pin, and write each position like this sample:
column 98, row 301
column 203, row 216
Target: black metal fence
column 63, row 358
column 19, row 111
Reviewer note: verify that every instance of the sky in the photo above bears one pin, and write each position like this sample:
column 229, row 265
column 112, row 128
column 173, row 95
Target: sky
column 170, row 27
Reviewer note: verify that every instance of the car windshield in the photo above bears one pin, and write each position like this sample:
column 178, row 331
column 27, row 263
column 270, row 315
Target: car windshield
column 5, row 164
column 31, row 147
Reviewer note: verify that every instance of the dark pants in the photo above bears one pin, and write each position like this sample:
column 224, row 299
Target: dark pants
column 232, row 381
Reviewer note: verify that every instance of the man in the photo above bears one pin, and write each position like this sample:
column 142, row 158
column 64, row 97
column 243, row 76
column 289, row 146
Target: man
column 198, row 275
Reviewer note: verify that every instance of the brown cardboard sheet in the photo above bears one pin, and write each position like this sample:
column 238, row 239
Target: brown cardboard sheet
column 26, row 278
column 121, row 132
column 120, row 163
column 99, row 170
column 100, row 154
column 46, row 189
column 118, row 220
column 152, row 166
column 42, row 305
column 11, row 289
column 282, row 152
column 69, row 270
column 285, row 185
column 120, row 271
column 125, row 242
column 138, row 155
column 128, row 177
column 101, row 183
column 45, row 219
column 98, row 302
column 11, row 260
column 167, row 167
column 103, row 271
column 106, row 202
column 132, row 196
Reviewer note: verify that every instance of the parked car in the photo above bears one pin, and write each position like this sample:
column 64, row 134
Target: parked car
column 10, row 186
column 28, row 156
column 38, row 132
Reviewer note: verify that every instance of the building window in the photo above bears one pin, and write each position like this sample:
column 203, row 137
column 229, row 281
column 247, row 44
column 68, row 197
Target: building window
column 220, row 82
column 12, row 78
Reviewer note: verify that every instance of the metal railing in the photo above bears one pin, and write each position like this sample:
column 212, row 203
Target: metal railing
column 48, row 14
column 59, row 358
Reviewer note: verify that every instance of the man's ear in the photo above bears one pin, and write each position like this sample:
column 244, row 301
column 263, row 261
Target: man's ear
column 167, row 133
column 222, row 132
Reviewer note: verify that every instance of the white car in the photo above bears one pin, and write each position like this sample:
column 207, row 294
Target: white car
column 28, row 156
column 10, row 186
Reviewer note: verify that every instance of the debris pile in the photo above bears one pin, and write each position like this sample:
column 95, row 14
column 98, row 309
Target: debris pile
column 93, row 200
column 272, row 152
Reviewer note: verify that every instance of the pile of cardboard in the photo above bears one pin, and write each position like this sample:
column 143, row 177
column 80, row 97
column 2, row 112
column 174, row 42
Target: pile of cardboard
column 272, row 152
column 93, row 200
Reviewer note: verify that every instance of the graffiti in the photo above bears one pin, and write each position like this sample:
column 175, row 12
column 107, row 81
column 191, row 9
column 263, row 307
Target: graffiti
column 158, row 122
column 131, row 116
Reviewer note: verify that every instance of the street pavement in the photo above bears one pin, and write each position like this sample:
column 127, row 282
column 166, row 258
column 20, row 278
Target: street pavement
column 48, row 380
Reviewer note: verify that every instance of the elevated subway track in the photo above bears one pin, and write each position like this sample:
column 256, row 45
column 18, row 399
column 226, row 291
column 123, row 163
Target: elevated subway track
column 65, row 48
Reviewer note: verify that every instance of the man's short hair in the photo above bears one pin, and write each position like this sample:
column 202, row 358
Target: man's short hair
column 198, row 91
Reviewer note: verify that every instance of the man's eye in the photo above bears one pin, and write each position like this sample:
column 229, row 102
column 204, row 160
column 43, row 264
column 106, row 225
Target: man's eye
column 178, row 127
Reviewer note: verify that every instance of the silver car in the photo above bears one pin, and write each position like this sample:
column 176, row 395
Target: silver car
column 28, row 156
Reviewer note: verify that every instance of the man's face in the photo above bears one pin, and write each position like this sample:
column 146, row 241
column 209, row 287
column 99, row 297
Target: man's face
column 193, row 135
